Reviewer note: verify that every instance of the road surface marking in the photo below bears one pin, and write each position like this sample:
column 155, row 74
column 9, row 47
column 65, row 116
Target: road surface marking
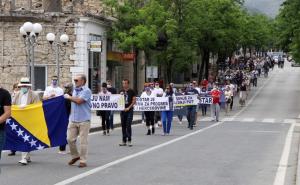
column 248, row 119
column 268, row 120
column 289, row 121
column 283, row 164
column 227, row 119
column 116, row 162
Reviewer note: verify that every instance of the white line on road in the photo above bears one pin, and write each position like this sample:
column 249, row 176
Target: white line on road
column 289, row 121
column 100, row 168
column 268, row 120
column 282, row 168
column 248, row 119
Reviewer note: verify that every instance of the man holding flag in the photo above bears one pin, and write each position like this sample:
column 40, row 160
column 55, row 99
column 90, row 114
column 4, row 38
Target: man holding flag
column 80, row 120
column 23, row 98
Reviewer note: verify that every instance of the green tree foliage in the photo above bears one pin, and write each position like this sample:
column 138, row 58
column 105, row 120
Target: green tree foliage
column 180, row 33
column 288, row 28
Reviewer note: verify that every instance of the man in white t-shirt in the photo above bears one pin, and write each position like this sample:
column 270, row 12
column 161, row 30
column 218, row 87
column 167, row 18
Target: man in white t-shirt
column 53, row 90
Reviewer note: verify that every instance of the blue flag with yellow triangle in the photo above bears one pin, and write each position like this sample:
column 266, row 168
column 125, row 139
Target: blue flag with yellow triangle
column 37, row 126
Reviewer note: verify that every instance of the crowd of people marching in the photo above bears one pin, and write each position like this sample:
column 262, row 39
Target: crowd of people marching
column 236, row 80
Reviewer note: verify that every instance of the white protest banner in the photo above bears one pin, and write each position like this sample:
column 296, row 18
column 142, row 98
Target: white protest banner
column 108, row 102
column 186, row 100
column 152, row 104
column 206, row 100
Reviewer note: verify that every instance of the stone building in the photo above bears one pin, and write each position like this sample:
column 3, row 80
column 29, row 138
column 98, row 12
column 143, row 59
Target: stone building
column 85, row 21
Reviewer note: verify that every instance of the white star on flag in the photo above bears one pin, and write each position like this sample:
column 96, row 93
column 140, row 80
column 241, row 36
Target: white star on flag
column 40, row 147
column 13, row 126
column 33, row 143
column 20, row 132
column 26, row 137
column 8, row 120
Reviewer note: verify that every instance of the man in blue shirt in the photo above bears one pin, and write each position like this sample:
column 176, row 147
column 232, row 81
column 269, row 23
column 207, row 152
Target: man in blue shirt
column 80, row 120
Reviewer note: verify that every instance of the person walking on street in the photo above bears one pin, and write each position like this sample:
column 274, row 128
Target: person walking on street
column 112, row 90
column 15, row 90
column 104, row 114
column 80, row 120
column 228, row 96
column 167, row 116
column 191, row 109
column 68, row 89
column 203, row 93
column 215, row 107
column 5, row 112
column 127, row 114
column 149, row 114
column 243, row 94
column 53, row 91
column 158, row 92
column 23, row 98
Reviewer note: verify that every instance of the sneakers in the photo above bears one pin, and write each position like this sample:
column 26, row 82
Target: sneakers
column 153, row 130
column 82, row 165
column 129, row 144
column 62, row 152
column 122, row 144
column 23, row 162
column 149, row 132
column 12, row 154
column 73, row 161
column 180, row 122
column 104, row 133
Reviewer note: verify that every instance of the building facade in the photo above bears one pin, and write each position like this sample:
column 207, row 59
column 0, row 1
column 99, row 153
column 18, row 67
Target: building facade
column 88, row 51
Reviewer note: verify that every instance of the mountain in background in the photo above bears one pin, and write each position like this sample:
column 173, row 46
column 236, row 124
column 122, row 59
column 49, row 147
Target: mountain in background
column 268, row 7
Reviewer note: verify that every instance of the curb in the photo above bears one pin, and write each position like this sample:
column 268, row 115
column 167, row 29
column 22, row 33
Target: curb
column 298, row 166
column 117, row 125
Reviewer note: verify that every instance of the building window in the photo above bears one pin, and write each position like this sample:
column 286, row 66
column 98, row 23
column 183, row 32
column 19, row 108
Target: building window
column 40, row 77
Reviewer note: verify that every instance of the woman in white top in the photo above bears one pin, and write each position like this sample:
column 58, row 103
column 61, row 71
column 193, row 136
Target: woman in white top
column 104, row 114
column 149, row 114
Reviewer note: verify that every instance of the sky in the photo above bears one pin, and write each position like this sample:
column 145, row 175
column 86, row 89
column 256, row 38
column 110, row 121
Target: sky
column 269, row 7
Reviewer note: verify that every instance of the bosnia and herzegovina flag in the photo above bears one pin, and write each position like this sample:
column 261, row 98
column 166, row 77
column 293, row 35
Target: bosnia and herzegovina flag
column 38, row 126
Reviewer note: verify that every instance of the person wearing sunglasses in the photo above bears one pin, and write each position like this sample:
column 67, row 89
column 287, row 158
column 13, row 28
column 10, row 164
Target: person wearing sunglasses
column 80, row 120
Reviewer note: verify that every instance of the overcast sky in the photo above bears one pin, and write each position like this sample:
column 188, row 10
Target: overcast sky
column 269, row 7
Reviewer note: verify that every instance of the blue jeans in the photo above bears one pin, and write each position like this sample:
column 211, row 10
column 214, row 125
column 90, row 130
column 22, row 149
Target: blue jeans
column 167, row 117
column 191, row 115
column 111, row 119
column 2, row 140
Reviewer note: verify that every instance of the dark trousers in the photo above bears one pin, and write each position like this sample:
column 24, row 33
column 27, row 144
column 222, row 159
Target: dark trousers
column 254, row 82
column 191, row 115
column 126, row 121
column 62, row 148
column 2, row 140
column 105, row 120
column 157, row 116
column 204, row 109
column 149, row 118
column 231, row 103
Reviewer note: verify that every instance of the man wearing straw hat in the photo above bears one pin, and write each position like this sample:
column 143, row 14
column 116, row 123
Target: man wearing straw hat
column 23, row 98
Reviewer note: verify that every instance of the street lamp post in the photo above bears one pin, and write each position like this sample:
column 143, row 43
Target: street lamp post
column 64, row 38
column 30, row 32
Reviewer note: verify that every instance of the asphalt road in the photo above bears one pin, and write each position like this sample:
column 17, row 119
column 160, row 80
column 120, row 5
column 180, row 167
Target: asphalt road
column 255, row 145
